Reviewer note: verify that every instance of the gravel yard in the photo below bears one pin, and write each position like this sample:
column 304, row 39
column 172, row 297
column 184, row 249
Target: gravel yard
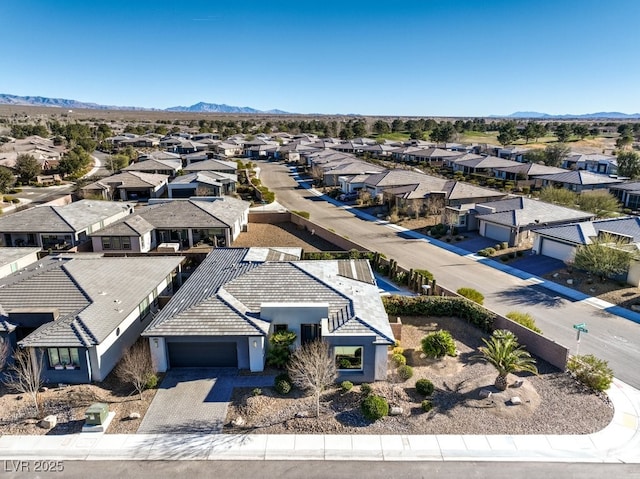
column 552, row 402
column 282, row 234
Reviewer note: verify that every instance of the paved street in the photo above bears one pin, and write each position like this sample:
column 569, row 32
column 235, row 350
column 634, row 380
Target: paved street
column 610, row 337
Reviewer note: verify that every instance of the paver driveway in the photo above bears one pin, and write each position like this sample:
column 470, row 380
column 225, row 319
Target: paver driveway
column 195, row 400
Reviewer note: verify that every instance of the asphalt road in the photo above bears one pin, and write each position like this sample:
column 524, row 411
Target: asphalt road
column 610, row 337
column 323, row 469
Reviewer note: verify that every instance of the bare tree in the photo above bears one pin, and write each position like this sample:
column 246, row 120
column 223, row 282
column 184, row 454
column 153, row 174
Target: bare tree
column 450, row 219
column 5, row 349
column 434, row 205
column 312, row 369
column 24, row 374
column 136, row 367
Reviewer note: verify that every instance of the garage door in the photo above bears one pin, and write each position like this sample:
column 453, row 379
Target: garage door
column 497, row 233
column 202, row 355
column 553, row 249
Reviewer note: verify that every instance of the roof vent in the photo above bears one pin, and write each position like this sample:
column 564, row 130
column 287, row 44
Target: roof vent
column 117, row 301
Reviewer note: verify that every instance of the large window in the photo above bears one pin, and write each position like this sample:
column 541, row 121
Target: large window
column 144, row 308
column 348, row 357
column 116, row 242
column 64, row 358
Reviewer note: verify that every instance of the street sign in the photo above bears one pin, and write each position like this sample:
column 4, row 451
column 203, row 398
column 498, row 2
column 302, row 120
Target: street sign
column 581, row 327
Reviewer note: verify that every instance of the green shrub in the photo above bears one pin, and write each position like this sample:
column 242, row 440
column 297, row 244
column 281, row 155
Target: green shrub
column 424, row 387
column 374, row 407
column 428, row 275
column 304, row 214
column 438, row 344
column 346, row 385
column 283, row 387
column 8, row 199
column 397, row 350
column 525, row 319
column 504, row 258
column 256, row 392
column 152, row 382
column 438, row 306
column 15, row 201
column 519, row 254
column 280, row 348
column 426, row 405
column 486, row 252
column 505, row 245
column 365, row 388
column 405, row 372
column 591, row 371
column 398, row 360
column 471, row 294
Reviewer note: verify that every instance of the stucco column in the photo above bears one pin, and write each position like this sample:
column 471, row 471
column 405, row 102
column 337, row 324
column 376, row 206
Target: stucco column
column 158, row 350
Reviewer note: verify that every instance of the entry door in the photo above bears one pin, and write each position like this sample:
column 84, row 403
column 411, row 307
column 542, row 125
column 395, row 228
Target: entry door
column 309, row 333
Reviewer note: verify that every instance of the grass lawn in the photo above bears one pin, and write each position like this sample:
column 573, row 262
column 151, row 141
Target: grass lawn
column 395, row 136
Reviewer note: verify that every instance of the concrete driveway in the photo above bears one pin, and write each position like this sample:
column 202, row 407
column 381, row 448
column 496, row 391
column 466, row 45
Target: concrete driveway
column 193, row 400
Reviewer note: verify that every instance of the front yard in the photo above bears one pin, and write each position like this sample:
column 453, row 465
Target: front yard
column 552, row 402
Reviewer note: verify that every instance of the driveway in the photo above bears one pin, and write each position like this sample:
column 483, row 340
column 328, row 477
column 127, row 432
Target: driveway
column 191, row 400
column 537, row 264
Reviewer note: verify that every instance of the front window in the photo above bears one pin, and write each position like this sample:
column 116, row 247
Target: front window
column 116, row 242
column 144, row 308
column 64, row 358
column 348, row 357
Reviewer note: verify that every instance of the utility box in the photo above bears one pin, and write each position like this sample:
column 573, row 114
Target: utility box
column 96, row 414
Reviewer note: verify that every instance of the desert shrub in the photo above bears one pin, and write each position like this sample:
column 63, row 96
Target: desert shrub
column 401, row 277
column 428, row 275
column 304, row 214
column 438, row 344
column 505, row 245
column 374, row 407
column 591, row 371
column 405, row 372
column 152, row 382
column 525, row 319
column 519, row 254
column 498, row 246
column 256, row 392
column 15, row 201
column 486, row 252
column 426, row 405
column 8, row 199
column 424, row 387
column 365, row 388
column 472, row 294
column 397, row 350
column 398, row 360
column 439, row 306
column 283, row 387
column 346, row 385
column 504, row 258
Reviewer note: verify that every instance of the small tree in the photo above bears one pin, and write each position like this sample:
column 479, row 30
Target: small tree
column 27, row 167
column 280, row 348
column 6, row 179
column 605, row 256
column 559, row 196
column 136, row 367
column 602, row 203
column 555, row 154
column 629, row 164
column 24, row 375
column 504, row 353
column 312, row 369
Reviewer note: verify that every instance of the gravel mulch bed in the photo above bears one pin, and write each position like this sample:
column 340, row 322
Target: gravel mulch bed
column 69, row 403
column 284, row 235
column 552, row 402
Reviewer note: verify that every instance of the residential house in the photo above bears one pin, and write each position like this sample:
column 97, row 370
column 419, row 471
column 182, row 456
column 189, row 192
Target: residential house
column 333, row 171
column 561, row 242
column 431, row 156
column 145, row 141
column 202, row 183
column 594, row 162
column 377, row 183
column 185, row 147
column 628, row 194
column 218, row 166
column 579, row 181
column 167, row 168
column 227, row 149
column 14, row 259
column 485, row 165
column 512, row 220
column 527, row 172
column 128, row 186
column 60, row 227
column 79, row 313
column 226, row 311
column 183, row 222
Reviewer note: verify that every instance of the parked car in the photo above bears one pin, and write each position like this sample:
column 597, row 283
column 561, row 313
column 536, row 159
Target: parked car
column 348, row 196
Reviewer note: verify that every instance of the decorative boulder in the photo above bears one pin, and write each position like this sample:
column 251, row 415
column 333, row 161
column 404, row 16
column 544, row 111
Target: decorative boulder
column 134, row 415
column 485, row 393
column 395, row 411
column 515, row 400
column 569, row 281
column 238, row 422
column 48, row 422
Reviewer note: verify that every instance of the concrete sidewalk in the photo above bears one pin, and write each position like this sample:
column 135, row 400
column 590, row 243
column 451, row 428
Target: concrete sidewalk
column 619, row 442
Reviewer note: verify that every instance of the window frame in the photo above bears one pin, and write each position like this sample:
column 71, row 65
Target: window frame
column 337, row 353
column 72, row 354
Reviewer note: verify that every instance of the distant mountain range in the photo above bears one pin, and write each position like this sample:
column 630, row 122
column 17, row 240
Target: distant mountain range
column 201, row 107
column 615, row 115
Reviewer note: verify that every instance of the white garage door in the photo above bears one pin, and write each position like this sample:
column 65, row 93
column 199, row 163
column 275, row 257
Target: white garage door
column 553, row 249
column 497, row 233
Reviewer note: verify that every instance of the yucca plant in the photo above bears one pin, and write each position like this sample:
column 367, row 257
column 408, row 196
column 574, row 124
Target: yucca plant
column 504, row 353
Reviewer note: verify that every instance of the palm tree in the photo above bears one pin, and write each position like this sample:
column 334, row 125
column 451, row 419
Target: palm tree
column 506, row 355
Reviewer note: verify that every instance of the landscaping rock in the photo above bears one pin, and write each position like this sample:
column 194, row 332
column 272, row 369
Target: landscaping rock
column 569, row 281
column 555, row 275
column 395, row 411
column 48, row 422
column 485, row 393
column 134, row 415
column 635, row 307
column 43, row 389
column 518, row 384
column 302, row 414
column 238, row 422
column 515, row 400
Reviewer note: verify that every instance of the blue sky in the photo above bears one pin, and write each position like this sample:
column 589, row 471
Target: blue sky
column 424, row 58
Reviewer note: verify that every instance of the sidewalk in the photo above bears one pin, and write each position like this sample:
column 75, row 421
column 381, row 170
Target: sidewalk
column 619, row 442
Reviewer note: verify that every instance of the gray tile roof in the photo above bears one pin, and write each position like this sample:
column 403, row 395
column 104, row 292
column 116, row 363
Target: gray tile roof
column 92, row 294
column 207, row 177
column 485, row 162
column 580, row 178
column 633, row 186
column 212, row 165
column 532, row 169
column 130, row 226
column 223, row 297
column 130, row 179
column 522, row 211
column 581, row 233
column 195, row 213
column 396, row 177
column 153, row 164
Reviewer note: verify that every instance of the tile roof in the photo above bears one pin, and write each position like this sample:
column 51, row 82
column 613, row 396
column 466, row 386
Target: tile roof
column 212, row 165
column 130, row 226
column 216, row 212
column 223, row 297
column 581, row 233
column 152, row 164
column 522, row 211
column 130, row 179
column 532, row 169
column 396, row 177
column 580, row 177
column 208, row 177
column 87, row 290
column 484, row 162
